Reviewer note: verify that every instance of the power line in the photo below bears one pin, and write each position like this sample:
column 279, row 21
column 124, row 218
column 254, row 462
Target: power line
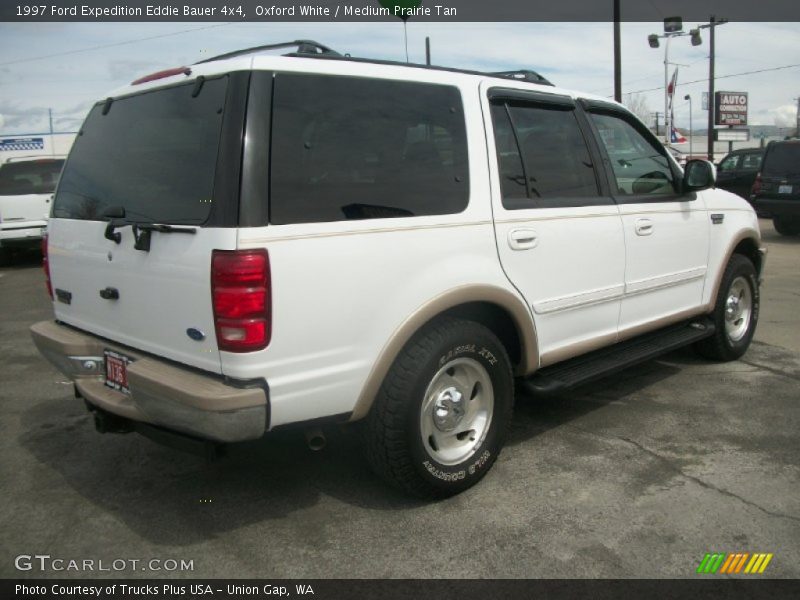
column 152, row 37
column 719, row 77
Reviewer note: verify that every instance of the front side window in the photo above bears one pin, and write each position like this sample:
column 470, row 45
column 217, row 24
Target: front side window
column 355, row 148
column 640, row 167
column 542, row 156
column 729, row 163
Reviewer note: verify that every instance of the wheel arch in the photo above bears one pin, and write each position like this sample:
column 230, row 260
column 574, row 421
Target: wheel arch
column 748, row 244
column 505, row 314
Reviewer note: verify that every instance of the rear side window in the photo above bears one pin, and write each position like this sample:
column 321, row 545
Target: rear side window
column 782, row 160
column 752, row 162
column 356, row 148
column 154, row 154
column 542, row 157
column 30, row 177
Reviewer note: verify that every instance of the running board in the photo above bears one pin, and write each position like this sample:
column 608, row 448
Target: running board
column 605, row 361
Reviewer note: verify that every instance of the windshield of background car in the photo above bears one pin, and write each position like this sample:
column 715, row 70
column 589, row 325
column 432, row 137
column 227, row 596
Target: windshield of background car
column 154, row 154
column 783, row 160
column 30, row 177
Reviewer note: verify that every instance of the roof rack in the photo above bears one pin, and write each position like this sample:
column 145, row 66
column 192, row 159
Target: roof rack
column 312, row 49
column 304, row 48
column 522, row 75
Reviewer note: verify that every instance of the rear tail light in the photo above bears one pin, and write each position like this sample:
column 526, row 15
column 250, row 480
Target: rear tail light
column 241, row 297
column 756, row 185
column 46, row 267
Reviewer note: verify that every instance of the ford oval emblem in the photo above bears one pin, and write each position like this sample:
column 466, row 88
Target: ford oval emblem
column 195, row 334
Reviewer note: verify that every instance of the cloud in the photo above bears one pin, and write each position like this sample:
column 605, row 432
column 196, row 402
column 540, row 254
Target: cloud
column 785, row 116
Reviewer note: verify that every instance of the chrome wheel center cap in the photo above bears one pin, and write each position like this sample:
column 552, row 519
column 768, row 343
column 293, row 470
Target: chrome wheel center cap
column 448, row 409
column 732, row 307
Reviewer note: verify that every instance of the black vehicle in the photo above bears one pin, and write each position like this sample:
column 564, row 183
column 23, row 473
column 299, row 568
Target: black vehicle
column 777, row 187
column 737, row 171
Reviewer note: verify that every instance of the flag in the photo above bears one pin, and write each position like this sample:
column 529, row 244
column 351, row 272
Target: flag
column 674, row 135
column 673, row 83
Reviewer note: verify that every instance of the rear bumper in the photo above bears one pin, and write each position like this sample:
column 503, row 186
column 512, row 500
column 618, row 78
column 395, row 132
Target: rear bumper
column 778, row 206
column 161, row 393
column 22, row 234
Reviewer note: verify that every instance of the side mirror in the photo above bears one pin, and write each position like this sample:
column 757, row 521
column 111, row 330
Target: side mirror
column 698, row 175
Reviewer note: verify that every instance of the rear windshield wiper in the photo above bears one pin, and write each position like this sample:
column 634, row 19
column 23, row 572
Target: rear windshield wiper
column 143, row 231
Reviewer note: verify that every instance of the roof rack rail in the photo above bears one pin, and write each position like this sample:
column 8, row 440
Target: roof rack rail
column 304, row 48
column 312, row 49
column 522, row 75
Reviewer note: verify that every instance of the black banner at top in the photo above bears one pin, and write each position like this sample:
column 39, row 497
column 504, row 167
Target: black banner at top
column 388, row 10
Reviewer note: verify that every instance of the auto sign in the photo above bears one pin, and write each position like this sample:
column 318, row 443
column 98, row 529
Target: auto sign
column 730, row 108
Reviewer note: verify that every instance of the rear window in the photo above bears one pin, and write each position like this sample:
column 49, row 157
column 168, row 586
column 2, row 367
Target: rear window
column 154, row 154
column 356, row 148
column 29, row 177
column 782, row 160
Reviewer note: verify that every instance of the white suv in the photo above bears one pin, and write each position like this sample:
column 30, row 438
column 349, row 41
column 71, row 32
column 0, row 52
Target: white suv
column 258, row 241
column 26, row 187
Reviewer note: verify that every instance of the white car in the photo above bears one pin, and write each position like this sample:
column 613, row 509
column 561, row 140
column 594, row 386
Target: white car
column 26, row 187
column 262, row 241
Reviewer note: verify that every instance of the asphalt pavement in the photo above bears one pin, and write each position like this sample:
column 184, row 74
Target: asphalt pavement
column 639, row 475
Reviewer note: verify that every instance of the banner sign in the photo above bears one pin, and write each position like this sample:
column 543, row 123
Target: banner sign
column 24, row 143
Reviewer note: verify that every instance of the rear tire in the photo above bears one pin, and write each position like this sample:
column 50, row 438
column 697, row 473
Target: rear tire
column 786, row 225
column 441, row 415
column 735, row 313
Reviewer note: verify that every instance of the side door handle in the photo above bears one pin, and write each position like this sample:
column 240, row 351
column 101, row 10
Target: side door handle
column 643, row 226
column 522, row 239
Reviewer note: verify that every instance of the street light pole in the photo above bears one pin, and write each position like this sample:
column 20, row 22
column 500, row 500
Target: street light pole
column 667, row 120
column 691, row 132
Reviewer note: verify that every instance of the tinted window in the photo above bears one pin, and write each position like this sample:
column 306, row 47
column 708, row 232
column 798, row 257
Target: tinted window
column 752, row 162
column 782, row 160
column 729, row 163
column 30, row 177
column 153, row 154
column 355, row 148
column 640, row 166
column 555, row 160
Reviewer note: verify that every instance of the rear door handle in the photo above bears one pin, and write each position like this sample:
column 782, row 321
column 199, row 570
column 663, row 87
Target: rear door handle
column 522, row 239
column 643, row 226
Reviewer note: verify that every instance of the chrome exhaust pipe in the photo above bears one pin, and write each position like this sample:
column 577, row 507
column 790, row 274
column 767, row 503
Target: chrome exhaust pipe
column 315, row 439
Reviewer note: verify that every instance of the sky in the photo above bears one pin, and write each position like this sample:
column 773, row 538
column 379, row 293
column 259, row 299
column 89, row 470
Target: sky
column 66, row 67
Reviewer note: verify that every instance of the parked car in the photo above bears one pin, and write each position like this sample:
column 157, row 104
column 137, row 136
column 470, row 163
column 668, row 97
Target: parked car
column 258, row 241
column 26, row 186
column 737, row 171
column 776, row 189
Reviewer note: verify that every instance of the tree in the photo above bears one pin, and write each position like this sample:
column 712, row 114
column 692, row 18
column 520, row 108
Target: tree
column 637, row 104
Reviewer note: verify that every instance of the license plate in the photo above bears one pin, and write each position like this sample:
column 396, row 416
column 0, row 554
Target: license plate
column 117, row 371
column 784, row 189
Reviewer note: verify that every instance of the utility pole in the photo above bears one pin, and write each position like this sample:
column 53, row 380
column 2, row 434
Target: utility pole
column 427, row 51
column 617, row 54
column 657, row 115
column 712, row 24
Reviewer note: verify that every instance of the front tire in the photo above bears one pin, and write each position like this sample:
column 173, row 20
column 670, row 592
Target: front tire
column 440, row 418
column 735, row 313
